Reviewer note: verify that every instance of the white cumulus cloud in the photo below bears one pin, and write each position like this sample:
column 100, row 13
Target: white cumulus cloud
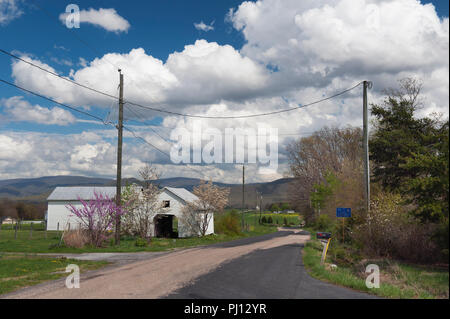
column 18, row 109
column 295, row 52
column 201, row 26
column 9, row 10
column 107, row 19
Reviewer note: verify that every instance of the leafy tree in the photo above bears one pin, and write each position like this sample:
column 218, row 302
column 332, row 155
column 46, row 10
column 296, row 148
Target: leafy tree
column 285, row 206
column 274, row 208
column 430, row 185
column 410, row 155
column 321, row 192
column 21, row 210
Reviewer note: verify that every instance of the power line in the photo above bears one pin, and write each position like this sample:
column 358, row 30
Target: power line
column 137, row 114
column 204, row 116
column 178, row 113
column 247, row 116
column 57, row 75
column 53, row 101
column 102, row 121
column 93, row 116
column 161, row 151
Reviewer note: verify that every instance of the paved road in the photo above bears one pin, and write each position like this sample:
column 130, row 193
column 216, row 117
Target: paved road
column 275, row 273
column 267, row 266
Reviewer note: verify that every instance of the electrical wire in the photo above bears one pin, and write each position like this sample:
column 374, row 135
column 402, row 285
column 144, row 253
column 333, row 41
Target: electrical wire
column 96, row 118
column 250, row 115
column 57, row 75
column 53, row 101
column 178, row 113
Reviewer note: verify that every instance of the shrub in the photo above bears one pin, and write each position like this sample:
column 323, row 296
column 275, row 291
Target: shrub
column 285, row 222
column 441, row 238
column 270, row 220
column 391, row 231
column 77, row 238
column 97, row 217
column 227, row 223
column 140, row 242
column 323, row 223
column 263, row 220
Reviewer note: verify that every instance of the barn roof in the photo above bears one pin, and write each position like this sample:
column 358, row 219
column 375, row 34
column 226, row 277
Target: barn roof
column 83, row 192
column 182, row 193
column 87, row 193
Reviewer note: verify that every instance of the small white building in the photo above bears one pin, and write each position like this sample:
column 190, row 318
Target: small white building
column 59, row 216
column 9, row 221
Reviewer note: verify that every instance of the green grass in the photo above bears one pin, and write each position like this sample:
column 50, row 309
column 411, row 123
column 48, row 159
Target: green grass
column 18, row 271
column 278, row 219
column 26, row 269
column 397, row 280
column 48, row 242
column 23, row 226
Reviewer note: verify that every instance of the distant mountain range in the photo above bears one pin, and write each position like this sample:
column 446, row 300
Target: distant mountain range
column 38, row 189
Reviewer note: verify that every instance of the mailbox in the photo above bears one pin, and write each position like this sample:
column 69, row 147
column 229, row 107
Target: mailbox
column 323, row 235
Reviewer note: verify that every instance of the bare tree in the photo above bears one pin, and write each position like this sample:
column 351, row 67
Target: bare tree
column 197, row 215
column 409, row 91
column 310, row 158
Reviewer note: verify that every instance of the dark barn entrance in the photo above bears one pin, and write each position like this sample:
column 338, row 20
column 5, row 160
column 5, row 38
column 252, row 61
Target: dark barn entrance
column 164, row 226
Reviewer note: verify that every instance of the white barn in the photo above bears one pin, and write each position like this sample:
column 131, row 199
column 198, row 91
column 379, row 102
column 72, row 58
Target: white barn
column 59, row 216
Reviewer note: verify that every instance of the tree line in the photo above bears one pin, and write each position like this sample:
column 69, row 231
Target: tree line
column 409, row 161
column 21, row 210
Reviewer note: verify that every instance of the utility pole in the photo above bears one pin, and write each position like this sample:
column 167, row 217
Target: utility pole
column 119, row 157
column 367, row 85
column 256, row 200
column 243, row 192
column 260, row 207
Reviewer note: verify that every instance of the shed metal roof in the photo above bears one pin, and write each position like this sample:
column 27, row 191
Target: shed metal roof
column 182, row 193
column 87, row 193
column 83, row 192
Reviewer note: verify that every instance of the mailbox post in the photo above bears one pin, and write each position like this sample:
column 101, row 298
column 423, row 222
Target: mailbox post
column 327, row 237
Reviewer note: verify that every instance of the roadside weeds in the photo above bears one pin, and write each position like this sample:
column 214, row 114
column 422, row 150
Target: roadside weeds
column 397, row 280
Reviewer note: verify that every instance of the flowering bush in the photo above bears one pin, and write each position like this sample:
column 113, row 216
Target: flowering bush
column 196, row 215
column 97, row 217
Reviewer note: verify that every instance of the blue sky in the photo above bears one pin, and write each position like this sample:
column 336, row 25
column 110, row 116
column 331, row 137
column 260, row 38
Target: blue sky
column 256, row 57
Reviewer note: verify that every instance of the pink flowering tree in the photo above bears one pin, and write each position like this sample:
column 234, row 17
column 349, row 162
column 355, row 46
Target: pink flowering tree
column 97, row 217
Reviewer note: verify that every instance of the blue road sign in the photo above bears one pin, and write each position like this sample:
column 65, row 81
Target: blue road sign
column 343, row 212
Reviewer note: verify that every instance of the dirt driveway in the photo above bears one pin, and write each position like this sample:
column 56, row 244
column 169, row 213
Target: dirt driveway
column 159, row 276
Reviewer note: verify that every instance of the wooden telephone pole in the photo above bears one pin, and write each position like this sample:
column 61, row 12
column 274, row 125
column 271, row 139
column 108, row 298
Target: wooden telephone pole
column 367, row 85
column 260, row 206
column 243, row 194
column 119, row 157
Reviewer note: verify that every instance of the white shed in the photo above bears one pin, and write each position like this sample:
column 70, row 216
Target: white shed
column 59, row 216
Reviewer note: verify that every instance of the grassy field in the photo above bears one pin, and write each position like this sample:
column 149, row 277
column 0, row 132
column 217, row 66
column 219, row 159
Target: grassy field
column 18, row 271
column 252, row 218
column 21, row 267
column 40, row 241
column 397, row 280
